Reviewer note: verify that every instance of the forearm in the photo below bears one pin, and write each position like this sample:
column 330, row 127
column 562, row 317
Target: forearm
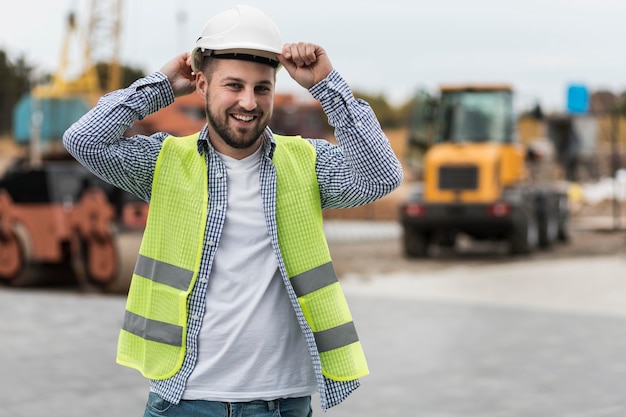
column 97, row 139
column 363, row 168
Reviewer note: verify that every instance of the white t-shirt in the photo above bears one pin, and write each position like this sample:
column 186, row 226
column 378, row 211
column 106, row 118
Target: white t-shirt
column 250, row 345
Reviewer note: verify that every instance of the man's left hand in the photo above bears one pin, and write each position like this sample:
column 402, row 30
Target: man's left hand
column 306, row 63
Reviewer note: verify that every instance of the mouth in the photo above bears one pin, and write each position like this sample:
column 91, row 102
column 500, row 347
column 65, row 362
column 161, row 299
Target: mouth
column 243, row 118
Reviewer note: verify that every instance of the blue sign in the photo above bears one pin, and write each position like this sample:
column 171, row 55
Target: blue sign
column 577, row 98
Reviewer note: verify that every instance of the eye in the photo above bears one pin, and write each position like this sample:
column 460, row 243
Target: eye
column 262, row 89
column 234, row 86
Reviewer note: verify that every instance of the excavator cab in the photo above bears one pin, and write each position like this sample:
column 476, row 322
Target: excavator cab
column 475, row 115
column 474, row 153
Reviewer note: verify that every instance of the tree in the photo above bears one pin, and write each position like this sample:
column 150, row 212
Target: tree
column 621, row 106
column 129, row 75
column 389, row 116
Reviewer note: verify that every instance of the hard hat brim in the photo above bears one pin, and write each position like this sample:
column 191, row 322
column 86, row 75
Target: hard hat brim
column 247, row 54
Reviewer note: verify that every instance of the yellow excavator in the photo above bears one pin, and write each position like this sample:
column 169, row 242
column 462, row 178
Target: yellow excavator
column 474, row 176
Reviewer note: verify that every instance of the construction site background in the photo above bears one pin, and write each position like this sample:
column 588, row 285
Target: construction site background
column 592, row 194
column 529, row 131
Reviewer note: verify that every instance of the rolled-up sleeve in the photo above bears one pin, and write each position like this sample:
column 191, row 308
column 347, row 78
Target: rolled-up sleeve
column 362, row 167
column 97, row 139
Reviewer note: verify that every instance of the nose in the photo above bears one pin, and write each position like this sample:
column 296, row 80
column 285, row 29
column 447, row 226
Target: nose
column 247, row 99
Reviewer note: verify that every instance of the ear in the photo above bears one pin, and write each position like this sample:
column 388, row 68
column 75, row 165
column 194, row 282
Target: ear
column 202, row 84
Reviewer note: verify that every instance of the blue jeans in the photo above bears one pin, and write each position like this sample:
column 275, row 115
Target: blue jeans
column 284, row 407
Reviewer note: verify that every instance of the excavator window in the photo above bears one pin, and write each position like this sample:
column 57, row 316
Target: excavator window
column 475, row 116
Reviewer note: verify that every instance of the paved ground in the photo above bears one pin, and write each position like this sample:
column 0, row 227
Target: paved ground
column 57, row 351
column 465, row 335
column 523, row 339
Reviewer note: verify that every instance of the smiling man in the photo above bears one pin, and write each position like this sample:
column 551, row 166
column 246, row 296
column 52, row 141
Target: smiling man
column 238, row 103
column 234, row 307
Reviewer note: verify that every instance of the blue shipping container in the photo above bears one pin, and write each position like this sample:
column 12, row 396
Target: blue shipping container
column 57, row 115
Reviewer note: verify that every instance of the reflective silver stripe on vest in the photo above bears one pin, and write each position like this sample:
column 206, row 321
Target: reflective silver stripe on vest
column 156, row 331
column 313, row 279
column 336, row 337
column 163, row 273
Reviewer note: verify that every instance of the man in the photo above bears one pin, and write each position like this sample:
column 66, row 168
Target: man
column 234, row 306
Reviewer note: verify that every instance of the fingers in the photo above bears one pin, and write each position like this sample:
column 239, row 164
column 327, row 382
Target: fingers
column 306, row 63
column 178, row 72
column 301, row 53
column 179, row 65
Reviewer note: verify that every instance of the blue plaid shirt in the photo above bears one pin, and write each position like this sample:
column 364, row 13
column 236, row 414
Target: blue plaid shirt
column 360, row 170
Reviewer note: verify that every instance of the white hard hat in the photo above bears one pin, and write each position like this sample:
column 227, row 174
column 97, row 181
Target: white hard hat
column 241, row 32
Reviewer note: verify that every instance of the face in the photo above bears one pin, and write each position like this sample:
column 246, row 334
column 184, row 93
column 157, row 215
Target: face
column 239, row 102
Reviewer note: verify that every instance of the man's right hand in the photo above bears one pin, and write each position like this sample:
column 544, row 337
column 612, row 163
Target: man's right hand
column 178, row 71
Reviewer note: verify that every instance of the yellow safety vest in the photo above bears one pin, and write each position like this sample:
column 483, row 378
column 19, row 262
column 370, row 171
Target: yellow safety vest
column 153, row 335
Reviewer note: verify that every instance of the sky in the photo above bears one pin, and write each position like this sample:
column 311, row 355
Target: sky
column 390, row 47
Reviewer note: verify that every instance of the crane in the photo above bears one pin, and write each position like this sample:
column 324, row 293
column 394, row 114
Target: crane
column 41, row 117
column 99, row 42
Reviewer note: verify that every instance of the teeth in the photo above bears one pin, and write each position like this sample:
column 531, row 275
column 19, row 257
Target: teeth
column 243, row 118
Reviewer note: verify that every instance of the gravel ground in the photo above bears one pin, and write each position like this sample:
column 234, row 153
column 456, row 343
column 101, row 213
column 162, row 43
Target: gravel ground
column 372, row 248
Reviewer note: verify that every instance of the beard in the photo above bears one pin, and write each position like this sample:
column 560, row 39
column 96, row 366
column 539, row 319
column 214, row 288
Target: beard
column 235, row 138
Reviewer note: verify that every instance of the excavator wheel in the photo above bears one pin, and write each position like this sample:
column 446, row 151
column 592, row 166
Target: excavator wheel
column 104, row 253
column 12, row 260
column 415, row 244
column 95, row 267
column 128, row 243
column 548, row 220
column 563, row 215
column 11, row 254
column 94, row 253
column 17, row 267
column 524, row 237
column 107, row 266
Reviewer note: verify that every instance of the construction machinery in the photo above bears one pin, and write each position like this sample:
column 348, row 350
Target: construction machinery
column 58, row 221
column 56, row 218
column 475, row 179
